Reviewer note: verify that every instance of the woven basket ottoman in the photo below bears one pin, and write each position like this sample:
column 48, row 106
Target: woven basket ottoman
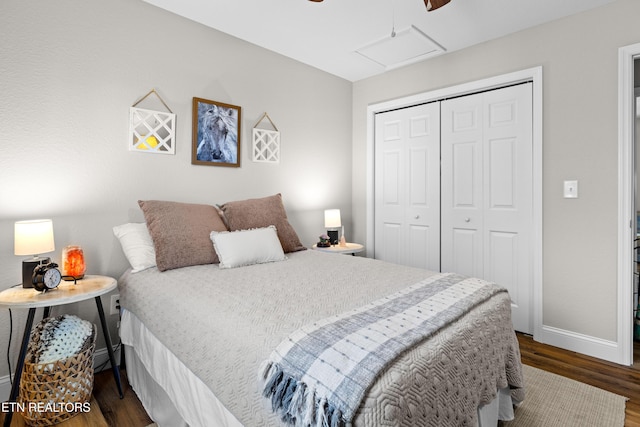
column 56, row 390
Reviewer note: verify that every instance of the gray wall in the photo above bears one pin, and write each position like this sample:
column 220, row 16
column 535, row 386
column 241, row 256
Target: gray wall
column 580, row 67
column 70, row 70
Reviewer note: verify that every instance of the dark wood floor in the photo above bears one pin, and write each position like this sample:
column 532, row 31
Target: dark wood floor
column 119, row 412
column 622, row 380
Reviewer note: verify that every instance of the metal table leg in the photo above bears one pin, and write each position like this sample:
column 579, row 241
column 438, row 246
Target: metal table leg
column 107, row 338
column 15, row 387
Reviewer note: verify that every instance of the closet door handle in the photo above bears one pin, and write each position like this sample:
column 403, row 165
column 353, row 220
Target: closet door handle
column 417, row 217
column 467, row 219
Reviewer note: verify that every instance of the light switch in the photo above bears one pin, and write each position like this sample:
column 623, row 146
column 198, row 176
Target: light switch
column 571, row 189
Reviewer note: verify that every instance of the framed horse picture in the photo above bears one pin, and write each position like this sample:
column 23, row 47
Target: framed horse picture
column 216, row 133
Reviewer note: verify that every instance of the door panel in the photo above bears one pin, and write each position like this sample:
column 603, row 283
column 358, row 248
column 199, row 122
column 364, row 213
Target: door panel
column 392, row 249
column 461, row 177
column 421, row 241
column 503, row 256
column 391, row 162
column 466, row 162
column 487, row 191
column 502, row 180
column 407, row 187
column 418, row 184
column 509, row 215
column 465, row 243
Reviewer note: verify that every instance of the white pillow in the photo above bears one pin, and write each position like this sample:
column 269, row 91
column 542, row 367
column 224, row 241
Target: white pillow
column 137, row 245
column 247, row 247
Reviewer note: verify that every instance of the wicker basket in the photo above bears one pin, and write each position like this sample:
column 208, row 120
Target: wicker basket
column 53, row 392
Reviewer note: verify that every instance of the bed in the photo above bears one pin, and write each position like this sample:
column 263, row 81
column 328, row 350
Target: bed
column 196, row 336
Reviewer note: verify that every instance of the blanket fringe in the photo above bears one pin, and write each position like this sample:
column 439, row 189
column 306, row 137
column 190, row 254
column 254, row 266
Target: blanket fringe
column 321, row 418
column 309, row 409
column 296, row 402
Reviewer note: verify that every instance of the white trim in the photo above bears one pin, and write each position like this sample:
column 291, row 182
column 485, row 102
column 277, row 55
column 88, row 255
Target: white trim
column 531, row 74
column 100, row 357
column 585, row 344
column 626, row 208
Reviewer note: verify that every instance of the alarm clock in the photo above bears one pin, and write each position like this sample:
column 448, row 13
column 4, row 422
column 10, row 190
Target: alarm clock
column 46, row 277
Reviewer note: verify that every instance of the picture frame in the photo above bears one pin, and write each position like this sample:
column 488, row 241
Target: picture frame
column 216, row 133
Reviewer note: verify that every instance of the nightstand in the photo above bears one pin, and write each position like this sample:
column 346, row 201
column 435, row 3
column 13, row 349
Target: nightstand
column 350, row 248
column 90, row 286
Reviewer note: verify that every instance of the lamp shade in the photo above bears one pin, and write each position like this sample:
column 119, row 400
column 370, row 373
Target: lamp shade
column 332, row 218
column 33, row 237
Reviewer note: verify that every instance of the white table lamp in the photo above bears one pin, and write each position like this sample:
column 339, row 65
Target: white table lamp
column 332, row 223
column 33, row 237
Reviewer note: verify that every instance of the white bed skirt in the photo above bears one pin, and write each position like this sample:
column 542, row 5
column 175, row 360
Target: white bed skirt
column 174, row 397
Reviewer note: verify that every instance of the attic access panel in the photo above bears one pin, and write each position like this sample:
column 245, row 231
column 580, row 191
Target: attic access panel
column 406, row 47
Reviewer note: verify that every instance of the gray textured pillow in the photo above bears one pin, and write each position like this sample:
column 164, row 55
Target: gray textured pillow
column 180, row 232
column 258, row 213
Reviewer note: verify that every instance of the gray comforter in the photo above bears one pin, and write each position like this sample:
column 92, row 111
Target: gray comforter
column 223, row 323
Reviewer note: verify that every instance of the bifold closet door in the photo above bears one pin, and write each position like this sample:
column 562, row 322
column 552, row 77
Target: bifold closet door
column 407, row 186
column 487, row 191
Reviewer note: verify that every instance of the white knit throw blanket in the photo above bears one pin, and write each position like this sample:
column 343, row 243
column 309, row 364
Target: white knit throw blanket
column 320, row 373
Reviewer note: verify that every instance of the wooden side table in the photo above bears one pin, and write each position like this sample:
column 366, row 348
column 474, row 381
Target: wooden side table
column 350, row 248
column 90, row 286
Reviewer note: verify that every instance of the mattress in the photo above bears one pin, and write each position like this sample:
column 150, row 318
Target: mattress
column 220, row 324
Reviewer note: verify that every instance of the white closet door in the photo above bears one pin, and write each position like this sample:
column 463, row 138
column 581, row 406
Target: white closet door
column 487, row 191
column 407, row 187
column 462, row 192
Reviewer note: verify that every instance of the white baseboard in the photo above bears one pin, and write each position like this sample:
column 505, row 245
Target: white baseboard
column 584, row 344
column 100, row 361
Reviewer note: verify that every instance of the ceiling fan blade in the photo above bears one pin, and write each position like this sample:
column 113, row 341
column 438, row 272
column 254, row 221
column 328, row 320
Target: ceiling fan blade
column 435, row 4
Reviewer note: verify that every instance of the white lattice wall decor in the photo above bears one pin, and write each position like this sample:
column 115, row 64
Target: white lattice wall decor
column 152, row 131
column 266, row 146
column 266, row 143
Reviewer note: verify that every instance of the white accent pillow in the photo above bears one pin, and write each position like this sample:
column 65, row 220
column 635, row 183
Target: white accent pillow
column 247, row 247
column 137, row 245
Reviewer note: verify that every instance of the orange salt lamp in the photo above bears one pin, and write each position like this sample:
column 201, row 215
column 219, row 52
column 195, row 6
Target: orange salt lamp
column 73, row 266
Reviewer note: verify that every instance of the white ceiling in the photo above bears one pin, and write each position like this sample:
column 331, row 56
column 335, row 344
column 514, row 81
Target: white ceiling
column 327, row 35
